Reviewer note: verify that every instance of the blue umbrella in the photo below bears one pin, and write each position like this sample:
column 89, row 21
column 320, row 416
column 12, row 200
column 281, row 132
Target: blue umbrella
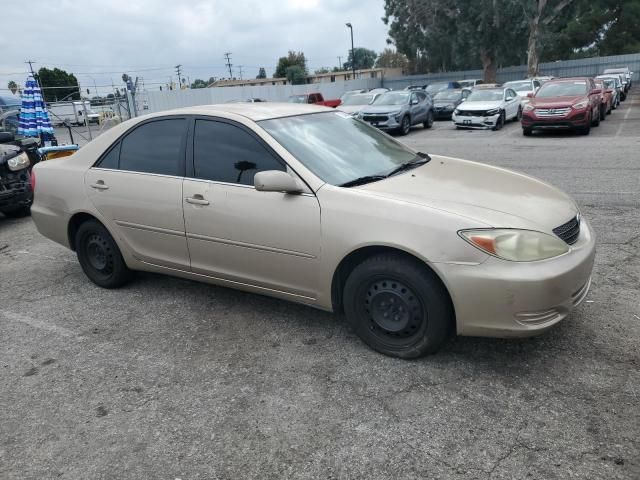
column 34, row 118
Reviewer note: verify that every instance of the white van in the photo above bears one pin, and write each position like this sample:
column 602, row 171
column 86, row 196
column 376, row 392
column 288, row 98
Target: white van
column 73, row 112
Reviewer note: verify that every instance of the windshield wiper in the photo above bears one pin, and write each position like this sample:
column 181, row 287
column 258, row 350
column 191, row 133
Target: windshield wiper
column 363, row 180
column 421, row 159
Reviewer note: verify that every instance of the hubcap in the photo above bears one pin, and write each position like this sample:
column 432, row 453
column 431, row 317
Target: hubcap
column 393, row 309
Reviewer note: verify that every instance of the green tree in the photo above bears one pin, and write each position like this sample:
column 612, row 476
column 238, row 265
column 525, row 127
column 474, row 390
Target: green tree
column 262, row 73
column 322, row 70
column 13, row 86
column 364, row 58
column 292, row 58
column 390, row 58
column 296, row 75
column 199, row 83
column 65, row 84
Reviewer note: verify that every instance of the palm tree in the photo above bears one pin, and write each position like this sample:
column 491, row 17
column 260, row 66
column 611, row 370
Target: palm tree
column 13, row 86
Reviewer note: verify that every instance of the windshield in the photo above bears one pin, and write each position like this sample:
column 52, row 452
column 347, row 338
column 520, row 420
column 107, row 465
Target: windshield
column 485, row 96
column 562, row 89
column 609, row 83
column 524, row 86
column 452, row 95
column 298, row 99
column 336, row 147
column 358, row 100
column 392, row 98
column 436, row 87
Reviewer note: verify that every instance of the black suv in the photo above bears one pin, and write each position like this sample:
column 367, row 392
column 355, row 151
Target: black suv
column 16, row 194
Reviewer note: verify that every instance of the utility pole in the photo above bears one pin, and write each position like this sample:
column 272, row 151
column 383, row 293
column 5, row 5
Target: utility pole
column 340, row 62
column 228, row 57
column 177, row 67
column 31, row 62
column 353, row 52
column 240, row 68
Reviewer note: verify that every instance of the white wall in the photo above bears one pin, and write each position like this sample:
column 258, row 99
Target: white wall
column 166, row 100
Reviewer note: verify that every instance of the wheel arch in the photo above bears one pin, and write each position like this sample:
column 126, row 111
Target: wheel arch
column 357, row 256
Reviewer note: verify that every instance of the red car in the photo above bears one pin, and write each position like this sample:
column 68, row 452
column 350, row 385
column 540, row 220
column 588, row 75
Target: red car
column 607, row 98
column 315, row 99
column 563, row 103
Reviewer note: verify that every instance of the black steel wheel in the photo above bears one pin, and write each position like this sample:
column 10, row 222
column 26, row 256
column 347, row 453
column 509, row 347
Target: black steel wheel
column 398, row 306
column 100, row 257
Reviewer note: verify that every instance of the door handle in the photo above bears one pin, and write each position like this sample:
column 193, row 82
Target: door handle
column 99, row 185
column 197, row 200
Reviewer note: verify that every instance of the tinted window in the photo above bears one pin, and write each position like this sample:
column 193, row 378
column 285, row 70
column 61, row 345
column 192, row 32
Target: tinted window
column 110, row 160
column 154, row 147
column 225, row 153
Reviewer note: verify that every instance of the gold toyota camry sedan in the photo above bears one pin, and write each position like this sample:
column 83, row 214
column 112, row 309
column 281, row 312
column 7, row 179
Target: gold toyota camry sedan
column 311, row 205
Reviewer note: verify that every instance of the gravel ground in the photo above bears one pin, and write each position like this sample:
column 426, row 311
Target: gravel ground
column 168, row 378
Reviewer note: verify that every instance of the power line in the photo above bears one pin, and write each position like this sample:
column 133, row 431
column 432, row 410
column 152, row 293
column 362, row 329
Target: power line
column 228, row 57
column 177, row 67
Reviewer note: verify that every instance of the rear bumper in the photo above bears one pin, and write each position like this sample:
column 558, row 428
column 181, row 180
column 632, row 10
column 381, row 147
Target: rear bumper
column 508, row 299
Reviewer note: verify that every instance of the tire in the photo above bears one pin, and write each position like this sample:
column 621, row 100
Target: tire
column 603, row 112
column 100, row 257
column 18, row 212
column 527, row 132
column 398, row 307
column 429, row 121
column 586, row 130
column 405, row 125
column 518, row 116
column 499, row 123
column 595, row 119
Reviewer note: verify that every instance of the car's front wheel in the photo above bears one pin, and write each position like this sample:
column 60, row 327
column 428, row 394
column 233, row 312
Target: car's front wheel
column 405, row 125
column 398, row 306
column 500, row 122
column 100, row 257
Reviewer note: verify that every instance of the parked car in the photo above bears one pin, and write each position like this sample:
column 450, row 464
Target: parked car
column 563, row 103
column 524, row 87
column 379, row 90
column 446, row 101
column 9, row 102
column 488, row 108
column 399, row 110
column 628, row 74
column 606, row 104
column 416, row 87
column 355, row 103
column 16, row 194
column 348, row 93
column 434, row 88
column 314, row 99
column 613, row 83
column 470, row 82
column 310, row 205
column 9, row 121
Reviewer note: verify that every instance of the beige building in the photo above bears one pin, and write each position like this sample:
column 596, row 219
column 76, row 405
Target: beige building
column 329, row 77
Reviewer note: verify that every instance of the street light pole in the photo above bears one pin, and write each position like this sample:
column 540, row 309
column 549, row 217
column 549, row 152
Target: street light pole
column 353, row 52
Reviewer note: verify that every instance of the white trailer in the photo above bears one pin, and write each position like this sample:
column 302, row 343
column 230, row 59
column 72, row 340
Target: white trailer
column 73, row 112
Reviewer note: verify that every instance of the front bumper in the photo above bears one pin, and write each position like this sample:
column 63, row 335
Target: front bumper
column 574, row 119
column 15, row 190
column 479, row 121
column 499, row 298
column 383, row 121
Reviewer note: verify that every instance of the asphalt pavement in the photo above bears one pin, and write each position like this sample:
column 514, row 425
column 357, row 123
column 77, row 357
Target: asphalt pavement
column 168, row 378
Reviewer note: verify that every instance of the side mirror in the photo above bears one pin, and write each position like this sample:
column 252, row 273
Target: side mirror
column 276, row 181
column 508, row 99
column 530, row 95
column 608, row 90
column 6, row 137
column 414, row 102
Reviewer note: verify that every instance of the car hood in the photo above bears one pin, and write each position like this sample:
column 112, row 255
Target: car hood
column 383, row 108
column 493, row 196
column 556, row 102
column 350, row 108
column 472, row 106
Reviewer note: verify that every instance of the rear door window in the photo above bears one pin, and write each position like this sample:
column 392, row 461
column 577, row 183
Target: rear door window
column 155, row 147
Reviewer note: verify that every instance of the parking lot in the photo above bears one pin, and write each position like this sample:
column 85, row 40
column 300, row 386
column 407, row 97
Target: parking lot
column 168, row 378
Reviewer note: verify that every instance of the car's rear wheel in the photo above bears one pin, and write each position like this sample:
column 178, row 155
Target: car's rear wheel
column 499, row 122
column 100, row 257
column 595, row 119
column 18, row 212
column 429, row 121
column 398, row 306
column 603, row 112
column 405, row 125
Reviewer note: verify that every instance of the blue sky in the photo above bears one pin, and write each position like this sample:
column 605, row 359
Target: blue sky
column 99, row 40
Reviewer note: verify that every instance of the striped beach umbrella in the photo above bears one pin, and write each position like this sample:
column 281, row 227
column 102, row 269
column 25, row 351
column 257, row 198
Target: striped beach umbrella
column 34, row 118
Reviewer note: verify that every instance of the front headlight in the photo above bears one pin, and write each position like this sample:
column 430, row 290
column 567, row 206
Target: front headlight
column 19, row 162
column 456, row 112
column 528, row 107
column 516, row 245
column 580, row 105
column 493, row 111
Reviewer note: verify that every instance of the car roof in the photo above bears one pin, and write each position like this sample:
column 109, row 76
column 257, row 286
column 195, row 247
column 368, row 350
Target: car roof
column 253, row 111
